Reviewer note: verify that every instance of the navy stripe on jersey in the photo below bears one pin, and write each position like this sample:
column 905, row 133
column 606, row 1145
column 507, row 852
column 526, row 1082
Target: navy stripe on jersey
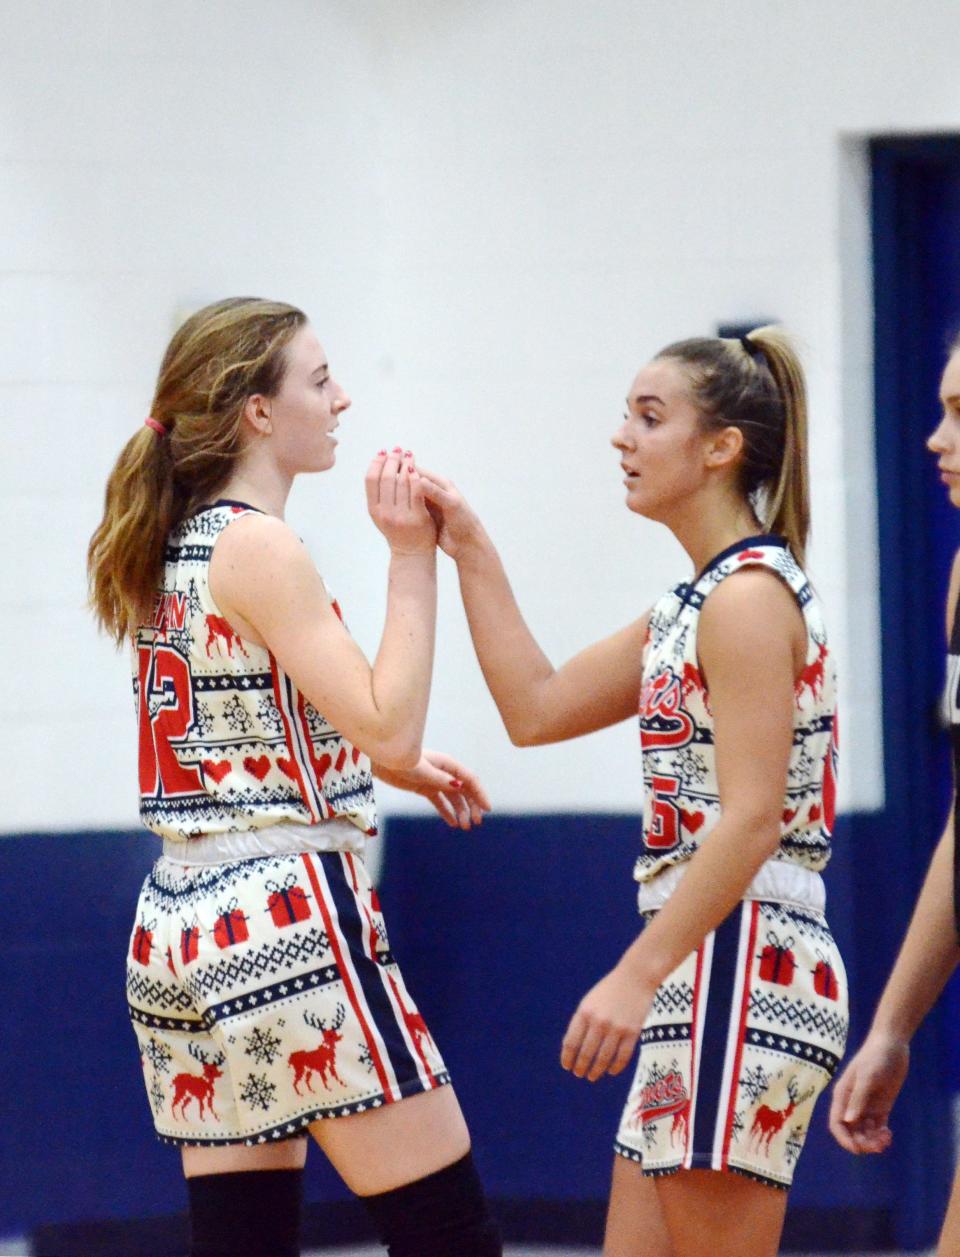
column 718, row 987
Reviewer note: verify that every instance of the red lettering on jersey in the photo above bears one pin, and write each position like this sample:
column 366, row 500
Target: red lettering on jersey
column 663, row 721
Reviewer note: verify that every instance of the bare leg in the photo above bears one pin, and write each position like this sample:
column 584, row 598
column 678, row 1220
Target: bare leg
column 949, row 1243
column 396, row 1144
column 635, row 1221
column 714, row 1214
column 287, row 1154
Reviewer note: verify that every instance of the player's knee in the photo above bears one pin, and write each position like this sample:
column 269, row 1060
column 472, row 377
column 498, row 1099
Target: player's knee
column 445, row 1214
column 255, row 1213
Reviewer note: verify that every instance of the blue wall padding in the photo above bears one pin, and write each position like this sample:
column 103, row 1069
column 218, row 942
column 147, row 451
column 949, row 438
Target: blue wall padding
column 499, row 932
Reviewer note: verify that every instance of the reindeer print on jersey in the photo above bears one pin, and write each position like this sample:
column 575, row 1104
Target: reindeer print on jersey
column 227, row 743
column 681, row 791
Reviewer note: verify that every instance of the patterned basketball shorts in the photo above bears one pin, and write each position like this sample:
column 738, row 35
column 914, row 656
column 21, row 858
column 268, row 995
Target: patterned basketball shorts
column 741, row 1039
column 264, row 996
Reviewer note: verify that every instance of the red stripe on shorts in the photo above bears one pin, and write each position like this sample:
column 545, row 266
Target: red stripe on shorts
column 693, row 1050
column 344, row 974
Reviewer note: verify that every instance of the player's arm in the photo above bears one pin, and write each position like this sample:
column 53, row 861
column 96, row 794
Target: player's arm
column 868, row 1087
column 746, row 640
column 538, row 703
column 261, row 571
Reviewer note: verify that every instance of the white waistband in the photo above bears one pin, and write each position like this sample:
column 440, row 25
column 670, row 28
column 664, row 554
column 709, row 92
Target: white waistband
column 776, row 880
column 335, row 835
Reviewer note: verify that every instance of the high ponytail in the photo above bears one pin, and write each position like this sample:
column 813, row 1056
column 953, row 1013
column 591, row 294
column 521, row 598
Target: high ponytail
column 218, row 358
column 756, row 384
column 787, row 505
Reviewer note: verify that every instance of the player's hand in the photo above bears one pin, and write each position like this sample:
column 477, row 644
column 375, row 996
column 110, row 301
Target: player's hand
column 864, row 1094
column 457, row 523
column 604, row 1030
column 396, row 503
column 453, row 790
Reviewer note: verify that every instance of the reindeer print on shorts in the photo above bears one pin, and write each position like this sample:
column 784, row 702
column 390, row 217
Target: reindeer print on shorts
column 286, row 1006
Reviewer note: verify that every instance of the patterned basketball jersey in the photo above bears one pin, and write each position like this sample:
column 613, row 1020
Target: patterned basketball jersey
column 952, row 712
column 227, row 742
column 681, row 792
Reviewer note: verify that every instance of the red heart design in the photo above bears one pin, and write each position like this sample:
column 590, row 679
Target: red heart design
column 287, row 767
column 214, row 770
column 789, row 814
column 692, row 820
column 341, row 759
column 321, row 765
column 257, row 767
column 816, row 812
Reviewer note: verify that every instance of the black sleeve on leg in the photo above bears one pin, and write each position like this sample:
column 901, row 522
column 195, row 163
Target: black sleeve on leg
column 443, row 1215
column 253, row 1213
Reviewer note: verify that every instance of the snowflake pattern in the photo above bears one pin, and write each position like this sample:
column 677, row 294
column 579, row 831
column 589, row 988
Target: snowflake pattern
column 258, row 1092
column 157, row 1095
column 269, row 714
column 203, row 720
column 736, row 1126
column 755, row 1082
column 366, row 1057
column 236, row 715
column 159, row 1056
column 691, row 767
column 262, row 1045
column 800, row 767
column 793, row 1145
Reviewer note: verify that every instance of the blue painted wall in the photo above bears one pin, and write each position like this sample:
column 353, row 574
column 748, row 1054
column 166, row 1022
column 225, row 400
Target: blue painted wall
column 499, row 933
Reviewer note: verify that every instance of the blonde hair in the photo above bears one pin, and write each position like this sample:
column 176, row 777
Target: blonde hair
column 217, row 359
column 756, row 384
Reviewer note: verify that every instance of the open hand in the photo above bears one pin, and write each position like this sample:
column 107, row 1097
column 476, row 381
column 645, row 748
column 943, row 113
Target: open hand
column 604, row 1030
column 453, row 790
column 864, row 1095
column 395, row 500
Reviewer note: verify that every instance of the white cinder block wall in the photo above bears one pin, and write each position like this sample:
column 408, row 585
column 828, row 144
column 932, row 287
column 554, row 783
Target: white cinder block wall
column 494, row 213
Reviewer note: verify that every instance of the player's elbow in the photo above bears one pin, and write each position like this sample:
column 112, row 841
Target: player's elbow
column 399, row 753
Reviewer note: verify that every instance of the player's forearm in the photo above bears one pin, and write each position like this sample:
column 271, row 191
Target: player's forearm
column 404, row 664
column 714, row 881
column 929, row 953
column 513, row 665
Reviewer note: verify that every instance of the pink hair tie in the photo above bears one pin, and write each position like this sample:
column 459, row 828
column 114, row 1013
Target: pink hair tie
column 157, row 427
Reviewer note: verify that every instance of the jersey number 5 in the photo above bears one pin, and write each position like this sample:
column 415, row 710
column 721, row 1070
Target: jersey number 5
column 165, row 714
column 664, row 831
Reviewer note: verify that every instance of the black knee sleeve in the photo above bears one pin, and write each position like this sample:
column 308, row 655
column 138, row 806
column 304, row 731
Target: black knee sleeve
column 254, row 1213
column 443, row 1215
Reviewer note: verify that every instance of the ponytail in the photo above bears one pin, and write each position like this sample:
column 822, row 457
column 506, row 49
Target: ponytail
column 185, row 453
column 756, row 384
column 787, row 506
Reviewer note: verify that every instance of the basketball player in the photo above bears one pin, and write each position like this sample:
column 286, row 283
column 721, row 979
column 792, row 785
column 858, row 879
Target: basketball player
column 263, row 992
column 734, row 991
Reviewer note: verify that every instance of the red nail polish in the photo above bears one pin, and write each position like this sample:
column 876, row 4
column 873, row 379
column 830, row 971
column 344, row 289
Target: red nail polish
column 456, row 783
column 381, row 452
column 397, row 449
column 408, row 453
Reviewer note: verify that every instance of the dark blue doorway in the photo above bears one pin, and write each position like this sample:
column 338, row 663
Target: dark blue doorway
column 916, row 260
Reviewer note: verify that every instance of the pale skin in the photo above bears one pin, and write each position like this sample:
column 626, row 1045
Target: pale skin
column 752, row 645
column 267, row 587
column 865, row 1093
